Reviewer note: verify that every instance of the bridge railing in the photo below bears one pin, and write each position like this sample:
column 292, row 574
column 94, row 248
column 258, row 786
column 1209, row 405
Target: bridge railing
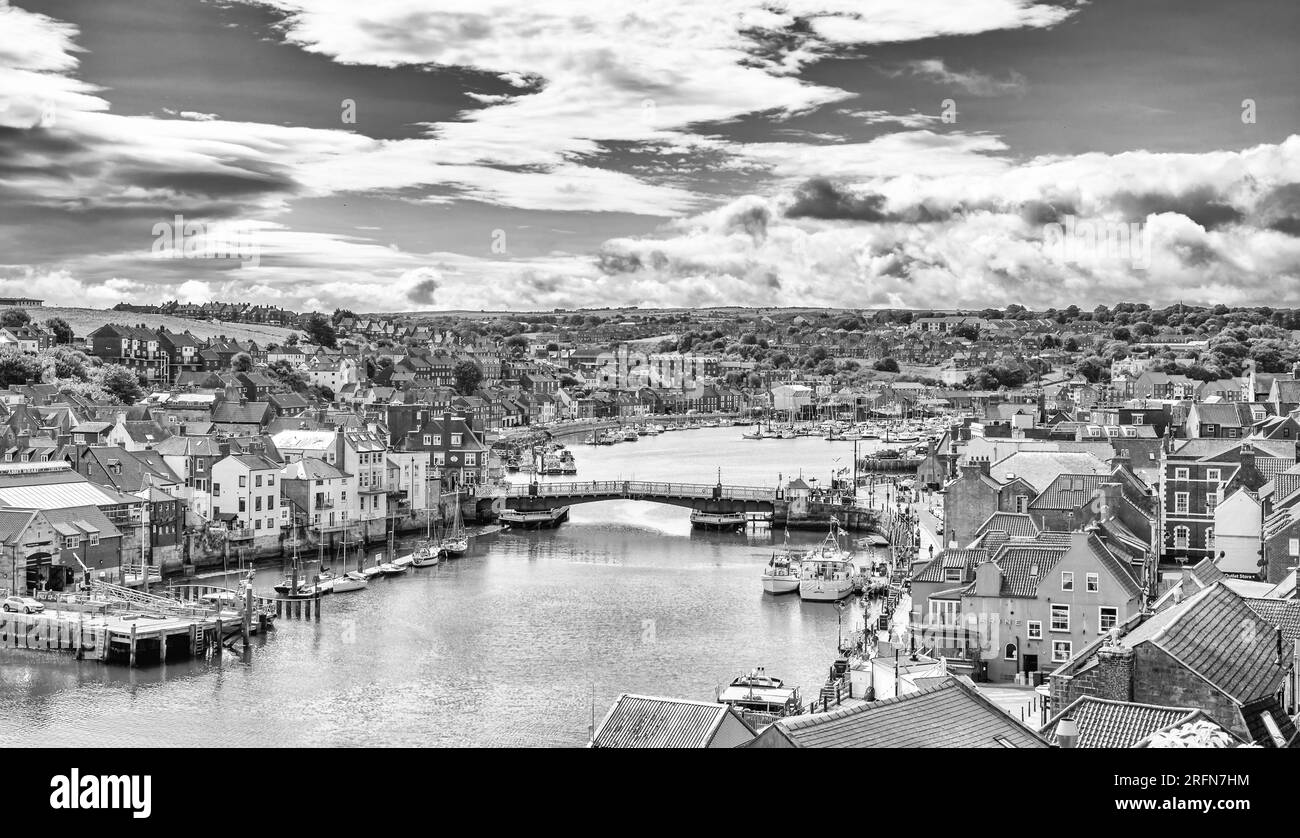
column 628, row 488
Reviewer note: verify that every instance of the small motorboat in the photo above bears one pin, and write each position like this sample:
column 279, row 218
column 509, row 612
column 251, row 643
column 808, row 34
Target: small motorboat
column 403, row 561
column 392, row 569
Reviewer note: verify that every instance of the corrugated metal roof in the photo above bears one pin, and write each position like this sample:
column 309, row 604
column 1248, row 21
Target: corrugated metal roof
column 58, row 496
column 640, row 721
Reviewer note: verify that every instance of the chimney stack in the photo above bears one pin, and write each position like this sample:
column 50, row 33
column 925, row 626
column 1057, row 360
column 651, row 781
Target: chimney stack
column 1115, row 672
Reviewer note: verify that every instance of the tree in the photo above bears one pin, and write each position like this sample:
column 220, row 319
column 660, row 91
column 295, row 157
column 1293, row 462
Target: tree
column 468, row 376
column 241, row 362
column 340, row 313
column 14, row 318
column 516, row 344
column 119, row 382
column 62, row 331
column 292, row 340
column 285, row 374
column 19, row 369
column 320, row 330
column 886, row 365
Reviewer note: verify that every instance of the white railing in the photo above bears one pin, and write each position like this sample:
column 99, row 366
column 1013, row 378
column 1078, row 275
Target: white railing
column 640, row 488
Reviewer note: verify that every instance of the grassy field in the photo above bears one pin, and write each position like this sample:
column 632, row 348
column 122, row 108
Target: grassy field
column 86, row 320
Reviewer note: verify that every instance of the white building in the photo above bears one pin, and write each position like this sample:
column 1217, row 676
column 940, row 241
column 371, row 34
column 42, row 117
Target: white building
column 1238, row 532
column 245, row 486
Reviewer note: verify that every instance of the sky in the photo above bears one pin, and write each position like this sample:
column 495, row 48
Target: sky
column 407, row 155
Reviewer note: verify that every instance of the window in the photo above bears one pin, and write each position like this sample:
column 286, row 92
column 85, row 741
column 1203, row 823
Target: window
column 428, row 439
column 1182, row 536
column 1035, row 630
column 471, row 459
column 455, row 439
column 1107, row 618
column 216, row 489
column 257, row 481
column 1022, row 504
column 1209, row 538
column 952, row 574
column 270, row 522
column 1009, row 653
column 1212, row 475
column 1211, row 501
column 270, row 480
column 1060, row 617
column 1180, row 503
column 257, row 523
column 1067, row 580
column 94, row 539
column 1180, row 474
column 1293, row 547
column 1061, row 650
column 70, row 543
column 257, row 503
column 242, row 505
column 1093, row 582
column 944, row 611
column 199, row 466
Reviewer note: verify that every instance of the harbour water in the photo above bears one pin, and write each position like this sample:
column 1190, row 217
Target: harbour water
column 519, row 643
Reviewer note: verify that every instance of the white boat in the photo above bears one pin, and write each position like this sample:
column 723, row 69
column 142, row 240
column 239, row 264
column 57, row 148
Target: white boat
column 757, row 692
column 391, row 569
column 426, row 554
column 717, row 520
column 540, row 519
column 781, row 576
column 403, row 561
column 827, row 573
column 352, row 581
column 455, row 544
column 754, row 435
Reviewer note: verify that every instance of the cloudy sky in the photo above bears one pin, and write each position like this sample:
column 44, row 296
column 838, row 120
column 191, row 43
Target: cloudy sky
column 409, row 155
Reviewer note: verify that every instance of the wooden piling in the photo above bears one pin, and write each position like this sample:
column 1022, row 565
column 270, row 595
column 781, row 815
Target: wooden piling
column 221, row 637
column 133, row 644
column 248, row 615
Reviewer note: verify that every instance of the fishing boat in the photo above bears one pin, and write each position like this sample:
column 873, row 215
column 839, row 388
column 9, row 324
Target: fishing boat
column 827, row 573
column 455, row 543
column 753, row 435
column 781, row 576
column 759, row 693
column 718, row 520
column 630, row 435
column 541, row 519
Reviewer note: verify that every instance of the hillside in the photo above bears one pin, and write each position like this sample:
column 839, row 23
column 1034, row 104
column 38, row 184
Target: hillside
column 86, row 320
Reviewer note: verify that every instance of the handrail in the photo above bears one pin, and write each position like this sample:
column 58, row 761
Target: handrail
column 636, row 488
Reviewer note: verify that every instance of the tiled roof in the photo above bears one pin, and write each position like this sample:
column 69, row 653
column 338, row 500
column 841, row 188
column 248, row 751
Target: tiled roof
column 1040, row 468
column 951, row 714
column 1282, row 613
column 1216, row 635
column 1069, row 491
column 934, row 570
column 1023, row 564
column 1012, row 523
column 1104, row 723
column 640, row 721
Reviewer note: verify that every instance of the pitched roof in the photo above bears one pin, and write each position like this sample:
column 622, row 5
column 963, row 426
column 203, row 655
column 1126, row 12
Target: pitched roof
column 1216, row 635
column 1281, row 613
column 1015, row 524
column 1069, row 491
column 642, row 721
column 1040, row 468
column 1104, row 723
column 950, row 714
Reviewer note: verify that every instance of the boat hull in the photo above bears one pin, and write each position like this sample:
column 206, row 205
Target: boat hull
column 824, row 590
column 780, row 584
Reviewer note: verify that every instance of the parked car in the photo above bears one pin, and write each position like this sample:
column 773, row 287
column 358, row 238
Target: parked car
column 27, row 605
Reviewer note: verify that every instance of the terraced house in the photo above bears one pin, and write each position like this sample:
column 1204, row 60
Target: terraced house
column 135, row 347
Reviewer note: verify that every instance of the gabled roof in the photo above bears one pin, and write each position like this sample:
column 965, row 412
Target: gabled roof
column 1040, row 468
column 1014, row 524
column 1069, row 491
column 1217, row 636
column 1104, row 723
column 950, row 714
column 643, row 721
